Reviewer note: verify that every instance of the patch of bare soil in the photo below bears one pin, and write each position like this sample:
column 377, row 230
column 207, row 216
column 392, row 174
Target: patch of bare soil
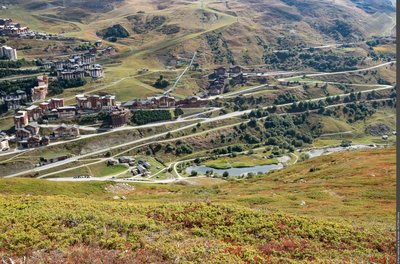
column 120, row 188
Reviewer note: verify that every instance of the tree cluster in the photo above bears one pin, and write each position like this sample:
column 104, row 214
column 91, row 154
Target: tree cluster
column 142, row 117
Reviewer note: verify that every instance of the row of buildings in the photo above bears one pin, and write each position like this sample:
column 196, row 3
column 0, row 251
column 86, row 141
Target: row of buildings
column 8, row 53
column 25, row 121
column 27, row 129
column 78, row 66
column 17, row 99
column 35, row 112
column 13, row 29
column 95, row 102
column 13, row 101
column 166, row 101
column 27, row 136
column 26, row 126
column 10, row 28
column 220, row 77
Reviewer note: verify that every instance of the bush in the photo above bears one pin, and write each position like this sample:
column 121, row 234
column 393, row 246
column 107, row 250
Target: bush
column 115, row 31
column 304, row 156
column 58, row 86
column 161, row 83
column 345, row 143
column 178, row 112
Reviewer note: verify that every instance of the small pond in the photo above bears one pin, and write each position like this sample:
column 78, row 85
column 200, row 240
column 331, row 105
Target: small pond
column 202, row 169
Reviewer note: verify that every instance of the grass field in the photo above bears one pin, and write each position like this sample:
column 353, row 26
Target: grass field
column 102, row 170
column 241, row 161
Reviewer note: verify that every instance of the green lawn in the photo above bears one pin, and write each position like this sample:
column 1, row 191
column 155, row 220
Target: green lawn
column 102, row 170
column 241, row 161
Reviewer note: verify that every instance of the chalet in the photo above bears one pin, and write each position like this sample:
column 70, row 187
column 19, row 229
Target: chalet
column 192, row 101
column 52, row 114
column 21, row 119
column 53, row 103
column 220, row 71
column 109, row 51
column 66, row 131
column 145, row 164
column 34, row 112
column 239, row 78
column 166, row 102
column 216, row 89
column 112, row 162
column 141, row 169
column 95, row 102
column 163, row 101
column 36, row 141
column 66, row 112
column 45, row 141
column 235, row 69
column 22, row 134
column 33, row 128
column 125, row 159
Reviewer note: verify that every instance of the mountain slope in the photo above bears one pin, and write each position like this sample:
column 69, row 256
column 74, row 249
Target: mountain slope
column 257, row 220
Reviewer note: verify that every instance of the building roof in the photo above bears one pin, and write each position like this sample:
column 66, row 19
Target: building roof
column 20, row 113
column 23, row 130
column 67, row 108
column 32, row 107
column 65, row 126
column 33, row 124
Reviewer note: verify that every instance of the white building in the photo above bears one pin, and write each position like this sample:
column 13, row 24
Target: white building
column 4, row 142
column 9, row 53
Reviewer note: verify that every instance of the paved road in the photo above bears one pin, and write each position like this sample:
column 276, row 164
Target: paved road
column 264, row 74
column 327, row 46
column 203, row 121
column 238, row 92
column 337, row 73
column 206, row 120
column 124, row 128
column 88, row 128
